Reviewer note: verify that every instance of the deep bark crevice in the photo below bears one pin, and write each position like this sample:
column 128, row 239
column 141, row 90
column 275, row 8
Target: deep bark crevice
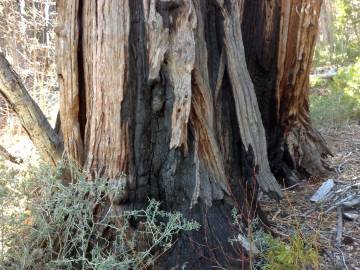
column 161, row 98
column 81, row 75
column 260, row 27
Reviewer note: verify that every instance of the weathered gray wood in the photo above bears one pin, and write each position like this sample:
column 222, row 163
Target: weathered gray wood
column 249, row 246
column 339, row 227
column 180, row 63
column 323, row 191
column 5, row 154
column 352, row 203
column 351, row 216
column 247, row 109
column 31, row 117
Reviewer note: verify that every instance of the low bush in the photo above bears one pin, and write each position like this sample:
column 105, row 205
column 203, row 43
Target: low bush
column 47, row 225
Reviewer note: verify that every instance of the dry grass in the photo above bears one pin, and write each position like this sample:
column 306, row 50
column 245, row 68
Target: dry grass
column 296, row 212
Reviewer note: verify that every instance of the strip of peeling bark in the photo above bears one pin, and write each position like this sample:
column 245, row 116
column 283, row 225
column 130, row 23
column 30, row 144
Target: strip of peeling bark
column 67, row 31
column 248, row 114
column 5, row 154
column 31, row 117
column 180, row 58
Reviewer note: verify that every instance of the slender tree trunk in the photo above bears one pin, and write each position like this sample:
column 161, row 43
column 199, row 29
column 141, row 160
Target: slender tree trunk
column 327, row 12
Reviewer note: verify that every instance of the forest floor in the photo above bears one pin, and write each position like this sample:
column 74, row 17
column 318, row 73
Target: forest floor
column 338, row 246
column 296, row 213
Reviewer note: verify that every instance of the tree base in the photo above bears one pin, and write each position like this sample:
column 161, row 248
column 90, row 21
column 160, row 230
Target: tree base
column 308, row 150
column 209, row 247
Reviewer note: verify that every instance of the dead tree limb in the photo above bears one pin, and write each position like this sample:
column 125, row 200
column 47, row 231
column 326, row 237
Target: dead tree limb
column 31, row 117
column 5, row 154
column 339, row 227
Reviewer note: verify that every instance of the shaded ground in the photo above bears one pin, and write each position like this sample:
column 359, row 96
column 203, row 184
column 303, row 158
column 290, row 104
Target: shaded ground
column 297, row 213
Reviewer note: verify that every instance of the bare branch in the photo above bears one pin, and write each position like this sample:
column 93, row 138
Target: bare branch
column 5, row 154
column 31, row 117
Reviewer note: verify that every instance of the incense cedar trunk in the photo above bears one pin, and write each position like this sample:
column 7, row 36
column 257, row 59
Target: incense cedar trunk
column 198, row 104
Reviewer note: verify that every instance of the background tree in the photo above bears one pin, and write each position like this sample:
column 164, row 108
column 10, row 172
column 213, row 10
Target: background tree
column 163, row 99
column 340, row 37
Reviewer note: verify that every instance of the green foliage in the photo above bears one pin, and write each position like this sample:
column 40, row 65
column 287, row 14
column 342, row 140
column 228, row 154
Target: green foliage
column 348, row 81
column 345, row 37
column 316, row 82
column 332, row 109
column 341, row 102
column 47, row 225
column 298, row 253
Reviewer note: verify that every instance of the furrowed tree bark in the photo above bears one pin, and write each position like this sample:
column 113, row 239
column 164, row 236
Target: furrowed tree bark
column 248, row 114
column 306, row 146
column 161, row 99
column 31, row 117
column 284, row 34
column 144, row 106
column 156, row 98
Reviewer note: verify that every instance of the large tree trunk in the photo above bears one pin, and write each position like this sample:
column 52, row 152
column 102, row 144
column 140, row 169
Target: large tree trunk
column 157, row 97
column 279, row 42
column 306, row 146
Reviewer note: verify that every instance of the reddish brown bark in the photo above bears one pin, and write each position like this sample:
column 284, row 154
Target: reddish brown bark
column 298, row 32
column 284, row 34
column 157, row 98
